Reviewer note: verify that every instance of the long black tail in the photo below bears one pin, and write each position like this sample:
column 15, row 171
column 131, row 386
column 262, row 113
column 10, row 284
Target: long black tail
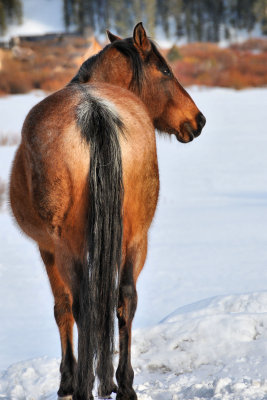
column 100, row 127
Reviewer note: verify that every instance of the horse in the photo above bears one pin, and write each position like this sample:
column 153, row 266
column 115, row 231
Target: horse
column 84, row 186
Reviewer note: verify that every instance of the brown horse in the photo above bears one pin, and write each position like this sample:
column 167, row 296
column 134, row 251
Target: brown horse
column 84, row 186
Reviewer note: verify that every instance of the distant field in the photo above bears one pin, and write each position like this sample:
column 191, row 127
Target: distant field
column 50, row 64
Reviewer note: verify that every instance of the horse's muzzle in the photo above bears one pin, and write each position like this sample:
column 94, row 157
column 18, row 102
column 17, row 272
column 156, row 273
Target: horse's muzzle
column 188, row 133
column 201, row 121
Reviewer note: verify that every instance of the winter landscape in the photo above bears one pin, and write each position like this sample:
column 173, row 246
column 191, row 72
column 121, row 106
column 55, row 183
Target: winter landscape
column 200, row 330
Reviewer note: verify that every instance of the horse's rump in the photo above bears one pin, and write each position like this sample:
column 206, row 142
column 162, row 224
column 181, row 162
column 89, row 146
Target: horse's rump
column 54, row 160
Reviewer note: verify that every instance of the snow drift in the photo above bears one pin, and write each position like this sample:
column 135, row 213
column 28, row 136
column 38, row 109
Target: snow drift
column 212, row 349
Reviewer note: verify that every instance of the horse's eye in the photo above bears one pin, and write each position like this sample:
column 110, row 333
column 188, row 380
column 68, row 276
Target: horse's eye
column 166, row 71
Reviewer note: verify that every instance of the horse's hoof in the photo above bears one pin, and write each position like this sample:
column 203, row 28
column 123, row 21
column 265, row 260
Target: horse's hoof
column 68, row 397
column 115, row 388
column 126, row 395
column 105, row 395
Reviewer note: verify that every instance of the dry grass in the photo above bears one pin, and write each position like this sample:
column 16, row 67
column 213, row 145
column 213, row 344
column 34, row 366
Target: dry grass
column 207, row 64
column 253, row 45
column 52, row 66
column 9, row 139
column 55, row 62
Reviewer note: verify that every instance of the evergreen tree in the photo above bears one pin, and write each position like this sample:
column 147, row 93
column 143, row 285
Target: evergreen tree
column 150, row 11
column 10, row 10
column 137, row 10
column 121, row 16
column 260, row 13
column 189, row 14
column 163, row 15
column 196, row 19
column 175, row 15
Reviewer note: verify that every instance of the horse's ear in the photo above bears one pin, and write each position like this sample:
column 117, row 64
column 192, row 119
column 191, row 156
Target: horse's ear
column 140, row 38
column 112, row 37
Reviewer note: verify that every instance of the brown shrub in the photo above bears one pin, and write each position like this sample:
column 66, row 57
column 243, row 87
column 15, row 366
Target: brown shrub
column 56, row 61
column 252, row 45
column 50, row 69
column 55, row 82
column 207, row 64
column 14, row 79
column 9, row 139
column 173, row 54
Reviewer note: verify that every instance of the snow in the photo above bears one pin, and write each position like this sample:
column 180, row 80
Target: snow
column 213, row 349
column 39, row 17
column 205, row 278
column 21, row 104
column 211, row 219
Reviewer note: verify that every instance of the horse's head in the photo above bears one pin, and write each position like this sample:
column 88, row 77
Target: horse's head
column 136, row 64
column 170, row 106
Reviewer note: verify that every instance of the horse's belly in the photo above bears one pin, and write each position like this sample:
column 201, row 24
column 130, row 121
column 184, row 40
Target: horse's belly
column 21, row 204
column 141, row 189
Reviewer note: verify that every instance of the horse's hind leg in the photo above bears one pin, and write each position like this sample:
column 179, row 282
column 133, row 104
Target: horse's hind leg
column 134, row 262
column 65, row 321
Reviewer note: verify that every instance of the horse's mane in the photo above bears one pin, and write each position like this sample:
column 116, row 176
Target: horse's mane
column 86, row 69
column 127, row 48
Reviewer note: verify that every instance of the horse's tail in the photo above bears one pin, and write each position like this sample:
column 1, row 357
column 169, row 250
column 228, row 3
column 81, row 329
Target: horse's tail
column 101, row 126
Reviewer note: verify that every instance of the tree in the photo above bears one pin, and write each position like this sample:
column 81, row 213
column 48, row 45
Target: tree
column 196, row 19
column 10, row 10
column 260, row 13
column 150, row 10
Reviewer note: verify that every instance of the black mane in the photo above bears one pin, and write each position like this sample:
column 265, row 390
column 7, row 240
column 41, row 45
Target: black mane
column 86, row 69
column 125, row 47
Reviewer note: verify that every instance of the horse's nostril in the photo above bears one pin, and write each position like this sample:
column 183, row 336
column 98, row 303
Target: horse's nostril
column 201, row 121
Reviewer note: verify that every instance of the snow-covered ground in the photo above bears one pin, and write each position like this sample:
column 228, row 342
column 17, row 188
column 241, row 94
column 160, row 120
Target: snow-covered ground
column 213, row 349
column 208, row 241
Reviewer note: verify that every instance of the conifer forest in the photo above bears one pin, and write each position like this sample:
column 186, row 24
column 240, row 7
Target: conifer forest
column 196, row 20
